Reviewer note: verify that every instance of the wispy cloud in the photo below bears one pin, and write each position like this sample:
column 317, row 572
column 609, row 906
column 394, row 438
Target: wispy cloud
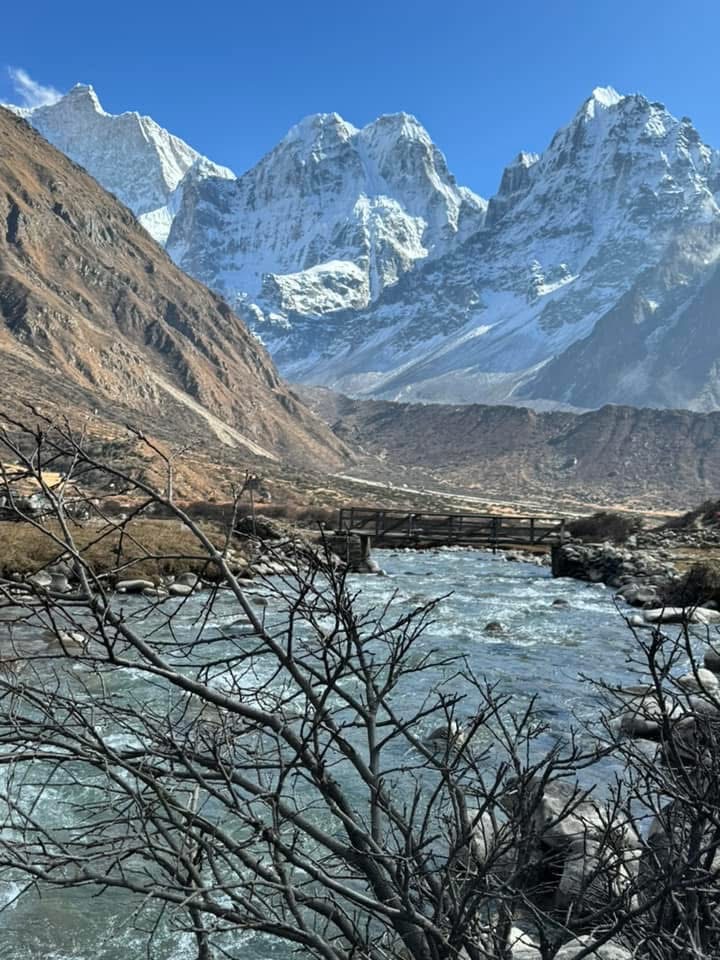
column 30, row 92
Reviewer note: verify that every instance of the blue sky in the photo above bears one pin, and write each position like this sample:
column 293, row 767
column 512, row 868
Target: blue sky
column 486, row 79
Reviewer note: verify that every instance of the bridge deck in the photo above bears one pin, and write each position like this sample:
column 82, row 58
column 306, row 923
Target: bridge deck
column 398, row 526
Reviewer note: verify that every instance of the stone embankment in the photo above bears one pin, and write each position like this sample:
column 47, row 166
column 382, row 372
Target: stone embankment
column 262, row 549
column 641, row 576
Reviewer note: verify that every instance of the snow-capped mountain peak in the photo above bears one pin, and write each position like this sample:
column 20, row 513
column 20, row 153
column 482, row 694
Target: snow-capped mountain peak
column 311, row 130
column 603, row 97
column 365, row 266
column 331, row 217
column 129, row 154
column 83, row 97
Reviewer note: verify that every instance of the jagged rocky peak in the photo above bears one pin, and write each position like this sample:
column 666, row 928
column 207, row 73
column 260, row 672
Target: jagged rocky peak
column 80, row 97
column 408, row 162
column 515, row 182
column 328, row 219
column 129, row 154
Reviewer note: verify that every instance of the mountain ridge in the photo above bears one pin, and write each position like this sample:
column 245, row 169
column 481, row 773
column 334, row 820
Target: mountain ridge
column 91, row 307
column 612, row 456
column 363, row 266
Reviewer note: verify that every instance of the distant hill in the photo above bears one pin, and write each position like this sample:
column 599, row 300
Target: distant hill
column 662, row 458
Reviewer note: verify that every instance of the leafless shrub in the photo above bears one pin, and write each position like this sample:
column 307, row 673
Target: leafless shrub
column 604, row 525
column 283, row 760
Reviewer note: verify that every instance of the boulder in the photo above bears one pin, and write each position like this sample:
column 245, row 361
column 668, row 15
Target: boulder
column 180, row 590
column 682, row 615
column 681, row 846
column 559, row 814
column 64, row 568
column 262, row 527
column 134, row 586
column 522, row 946
column 446, row 733
column 645, row 716
column 155, row 593
column 42, row 580
column 491, row 844
column 595, row 874
column 608, row 951
column 712, row 660
column 638, row 595
column 59, row 583
column 494, row 627
column 70, row 641
column 581, row 862
column 701, row 680
column 189, row 579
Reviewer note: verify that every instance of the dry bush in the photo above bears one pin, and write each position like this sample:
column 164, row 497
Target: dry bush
column 604, row 525
column 704, row 515
column 145, row 548
column 698, row 586
column 293, row 512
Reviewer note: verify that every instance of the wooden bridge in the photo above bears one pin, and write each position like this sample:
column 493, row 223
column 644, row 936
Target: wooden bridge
column 399, row 527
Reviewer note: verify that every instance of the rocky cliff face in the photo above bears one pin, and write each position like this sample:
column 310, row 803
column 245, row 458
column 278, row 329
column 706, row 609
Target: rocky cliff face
column 94, row 313
column 587, row 278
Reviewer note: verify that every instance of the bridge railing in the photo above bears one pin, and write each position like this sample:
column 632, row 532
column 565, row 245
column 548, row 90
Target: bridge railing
column 396, row 525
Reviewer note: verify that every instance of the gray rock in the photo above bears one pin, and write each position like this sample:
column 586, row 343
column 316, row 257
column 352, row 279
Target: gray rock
column 64, row 568
column 59, row 583
column 446, row 732
column 682, row 615
column 712, row 660
column 494, row 627
column 596, row 873
column 134, row 586
column 180, row 590
column 672, row 848
column 700, row 681
column 188, row 579
column 522, row 946
column 558, row 813
column 41, row 580
column 608, row 951
column 70, row 641
column 155, row 593
column 645, row 717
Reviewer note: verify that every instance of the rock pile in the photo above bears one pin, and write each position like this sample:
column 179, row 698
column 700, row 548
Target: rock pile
column 641, row 576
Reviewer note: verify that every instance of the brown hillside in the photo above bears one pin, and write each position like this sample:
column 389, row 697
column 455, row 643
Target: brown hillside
column 647, row 457
column 93, row 314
